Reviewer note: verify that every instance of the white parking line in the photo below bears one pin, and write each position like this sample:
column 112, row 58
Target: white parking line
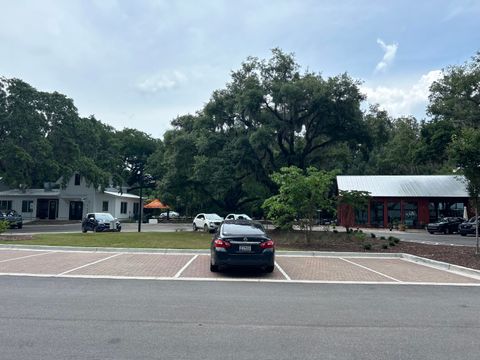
column 177, row 275
column 26, row 256
column 282, row 271
column 367, row 268
column 92, row 263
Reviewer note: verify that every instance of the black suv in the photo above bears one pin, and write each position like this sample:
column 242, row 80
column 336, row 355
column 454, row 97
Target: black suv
column 100, row 222
column 13, row 218
column 242, row 243
column 446, row 225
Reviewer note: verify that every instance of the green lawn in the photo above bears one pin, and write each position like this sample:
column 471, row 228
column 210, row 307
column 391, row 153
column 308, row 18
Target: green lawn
column 163, row 240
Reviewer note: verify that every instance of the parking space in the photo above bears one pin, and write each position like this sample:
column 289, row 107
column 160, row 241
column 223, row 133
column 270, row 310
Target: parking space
column 195, row 266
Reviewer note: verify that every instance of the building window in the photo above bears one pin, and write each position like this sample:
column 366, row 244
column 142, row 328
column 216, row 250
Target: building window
column 376, row 213
column 105, row 206
column 136, row 207
column 123, row 207
column 410, row 214
column 361, row 216
column 5, row 205
column 27, row 206
column 393, row 213
column 77, row 179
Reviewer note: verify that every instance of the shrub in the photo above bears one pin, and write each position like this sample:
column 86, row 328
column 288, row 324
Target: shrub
column 360, row 236
column 367, row 246
column 392, row 243
column 396, row 240
column 385, row 246
column 3, row 226
column 382, row 238
column 335, row 231
column 373, row 236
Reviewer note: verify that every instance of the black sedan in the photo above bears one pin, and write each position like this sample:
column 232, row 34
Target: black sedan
column 447, row 225
column 100, row 222
column 242, row 243
column 467, row 227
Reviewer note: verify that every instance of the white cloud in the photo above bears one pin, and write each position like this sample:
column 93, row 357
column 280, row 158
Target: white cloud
column 388, row 57
column 162, row 81
column 408, row 100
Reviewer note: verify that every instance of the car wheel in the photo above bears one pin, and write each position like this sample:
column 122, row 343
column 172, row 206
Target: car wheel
column 446, row 231
column 84, row 229
column 95, row 229
column 205, row 228
column 269, row 269
column 213, row 268
column 462, row 234
column 19, row 226
column 195, row 227
column 430, row 232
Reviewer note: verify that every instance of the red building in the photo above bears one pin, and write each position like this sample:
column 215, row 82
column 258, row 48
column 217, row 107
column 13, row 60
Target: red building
column 411, row 200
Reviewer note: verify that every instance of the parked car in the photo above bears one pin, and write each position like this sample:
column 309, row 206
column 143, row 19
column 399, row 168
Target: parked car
column 446, row 225
column 467, row 227
column 13, row 218
column 171, row 215
column 241, row 243
column 237, row 217
column 100, row 222
column 207, row 222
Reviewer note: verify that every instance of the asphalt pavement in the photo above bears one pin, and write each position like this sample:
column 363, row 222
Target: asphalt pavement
column 60, row 318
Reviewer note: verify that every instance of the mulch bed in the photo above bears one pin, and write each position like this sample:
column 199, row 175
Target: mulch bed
column 341, row 241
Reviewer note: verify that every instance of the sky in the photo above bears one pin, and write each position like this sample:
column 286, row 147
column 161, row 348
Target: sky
column 140, row 64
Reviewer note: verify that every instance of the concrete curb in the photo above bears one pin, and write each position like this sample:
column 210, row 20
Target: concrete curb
column 413, row 258
column 443, row 265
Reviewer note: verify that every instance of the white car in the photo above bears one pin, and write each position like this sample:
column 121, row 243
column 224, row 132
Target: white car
column 237, row 217
column 207, row 222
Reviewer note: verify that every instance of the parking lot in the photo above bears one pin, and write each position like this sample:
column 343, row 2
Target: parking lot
column 305, row 268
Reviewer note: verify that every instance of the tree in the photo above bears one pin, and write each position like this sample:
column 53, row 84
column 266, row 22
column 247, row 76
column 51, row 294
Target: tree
column 465, row 152
column 351, row 201
column 456, row 96
column 301, row 193
column 136, row 147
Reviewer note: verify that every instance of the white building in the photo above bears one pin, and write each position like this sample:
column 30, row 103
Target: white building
column 70, row 203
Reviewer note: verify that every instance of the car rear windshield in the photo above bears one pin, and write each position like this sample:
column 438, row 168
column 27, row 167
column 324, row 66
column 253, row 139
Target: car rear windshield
column 241, row 230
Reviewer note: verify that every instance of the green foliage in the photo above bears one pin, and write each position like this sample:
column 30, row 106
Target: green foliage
column 301, row 193
column 456, row 97
column 465, row 152
column 350, row 201
column 4, row 225
column 373, row 236
column 367, row 246
column 384, row 246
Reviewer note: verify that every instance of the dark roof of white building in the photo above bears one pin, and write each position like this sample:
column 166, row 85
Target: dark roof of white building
column 405, row 185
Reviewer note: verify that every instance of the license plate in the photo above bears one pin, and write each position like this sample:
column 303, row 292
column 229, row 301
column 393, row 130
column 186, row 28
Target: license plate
column 244, row 248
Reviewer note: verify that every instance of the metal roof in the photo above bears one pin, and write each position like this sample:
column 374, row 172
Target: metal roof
column 30, row 192
column 406, row 185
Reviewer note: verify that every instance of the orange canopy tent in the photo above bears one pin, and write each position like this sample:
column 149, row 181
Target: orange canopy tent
column 156, row 204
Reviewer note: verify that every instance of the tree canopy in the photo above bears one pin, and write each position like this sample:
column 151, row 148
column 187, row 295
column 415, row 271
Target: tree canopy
column 270, row 115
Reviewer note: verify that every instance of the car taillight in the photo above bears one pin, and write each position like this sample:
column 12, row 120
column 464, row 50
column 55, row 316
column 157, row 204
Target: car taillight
column 219, row 243
column 269, row 244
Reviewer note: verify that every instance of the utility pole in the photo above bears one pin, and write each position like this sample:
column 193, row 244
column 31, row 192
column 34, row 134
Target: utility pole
column 140, row 210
